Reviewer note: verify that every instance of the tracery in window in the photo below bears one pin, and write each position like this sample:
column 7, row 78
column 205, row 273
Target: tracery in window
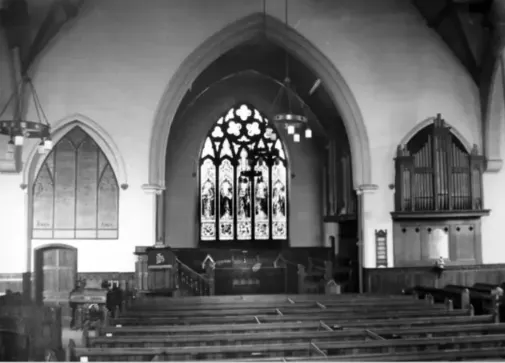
column 75, row 194
column 243, row 179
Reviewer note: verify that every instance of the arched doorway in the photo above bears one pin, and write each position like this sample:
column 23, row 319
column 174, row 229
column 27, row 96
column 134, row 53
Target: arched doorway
column 55, row 273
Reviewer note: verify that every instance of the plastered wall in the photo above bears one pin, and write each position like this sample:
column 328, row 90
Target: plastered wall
column 114, row 61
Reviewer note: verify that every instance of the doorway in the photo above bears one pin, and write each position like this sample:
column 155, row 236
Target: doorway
column 55, row 273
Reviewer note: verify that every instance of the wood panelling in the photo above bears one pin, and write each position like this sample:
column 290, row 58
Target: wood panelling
column 393, row 280
column 412, row 239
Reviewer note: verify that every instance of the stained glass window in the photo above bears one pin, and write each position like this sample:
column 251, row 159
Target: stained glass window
column 76, row 193
column 243, row 179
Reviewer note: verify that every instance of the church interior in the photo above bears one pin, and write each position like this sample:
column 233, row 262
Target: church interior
column 209, row 171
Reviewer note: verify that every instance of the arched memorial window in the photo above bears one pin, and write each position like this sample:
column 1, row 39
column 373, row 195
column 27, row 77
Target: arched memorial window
column 435, row 172
column 243, row 180
column 76, row 193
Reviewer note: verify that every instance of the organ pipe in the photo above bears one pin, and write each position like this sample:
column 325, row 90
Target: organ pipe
column 435, row 172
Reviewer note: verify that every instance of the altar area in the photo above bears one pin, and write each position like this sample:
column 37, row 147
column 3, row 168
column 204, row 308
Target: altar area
column 205, row 271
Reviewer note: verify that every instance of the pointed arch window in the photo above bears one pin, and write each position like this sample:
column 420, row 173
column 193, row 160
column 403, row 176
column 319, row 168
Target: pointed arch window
column 76, row 193
column 243, row 180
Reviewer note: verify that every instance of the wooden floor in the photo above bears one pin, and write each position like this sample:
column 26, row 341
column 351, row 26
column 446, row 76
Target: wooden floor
column 300, row 327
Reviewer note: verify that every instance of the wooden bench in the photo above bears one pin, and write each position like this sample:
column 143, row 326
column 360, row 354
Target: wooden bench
column 265, row 318
column 281, row 309
column 314, row 348
column 307, row 326
column 262, row 337
column 472, row 354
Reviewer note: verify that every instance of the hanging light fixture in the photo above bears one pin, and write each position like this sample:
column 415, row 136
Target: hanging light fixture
column 292, row 120
column 19, row 129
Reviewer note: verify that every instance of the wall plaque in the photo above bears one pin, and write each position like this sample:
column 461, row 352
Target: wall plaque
column 381, row 244
column 87, row 179
column 65, row 186
column 438, row 244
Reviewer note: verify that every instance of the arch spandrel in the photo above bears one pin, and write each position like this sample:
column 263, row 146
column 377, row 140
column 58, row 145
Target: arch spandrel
column 232, row 36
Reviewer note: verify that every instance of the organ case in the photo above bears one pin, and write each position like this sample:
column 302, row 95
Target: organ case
column 438, row 199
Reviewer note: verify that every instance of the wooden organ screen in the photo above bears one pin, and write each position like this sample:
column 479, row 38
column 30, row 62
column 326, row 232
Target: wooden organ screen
column 339, row 197
column 434, row 172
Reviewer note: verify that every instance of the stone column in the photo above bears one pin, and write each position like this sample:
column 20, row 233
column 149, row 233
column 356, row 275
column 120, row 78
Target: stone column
column 158, row 210
column 28, row 286
column 366, row 248
column 491, row 87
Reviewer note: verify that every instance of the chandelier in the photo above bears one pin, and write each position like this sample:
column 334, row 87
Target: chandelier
column 294, row 121
column 19, row 129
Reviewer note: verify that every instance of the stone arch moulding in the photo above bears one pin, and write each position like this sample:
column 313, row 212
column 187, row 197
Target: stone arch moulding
column 232, row 36
column 468, row 146
column 494, row 112
column 99, row 135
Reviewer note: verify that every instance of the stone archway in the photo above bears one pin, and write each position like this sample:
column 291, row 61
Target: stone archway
column 232, row 36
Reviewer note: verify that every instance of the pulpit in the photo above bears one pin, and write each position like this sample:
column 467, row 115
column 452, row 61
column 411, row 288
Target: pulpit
column 161, row 270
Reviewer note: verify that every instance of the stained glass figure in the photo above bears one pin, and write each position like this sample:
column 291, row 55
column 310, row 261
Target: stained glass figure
column 243, row 179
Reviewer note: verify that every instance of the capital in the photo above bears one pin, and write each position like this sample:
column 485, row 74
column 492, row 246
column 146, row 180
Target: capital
column 366, row 188
column 153, row 189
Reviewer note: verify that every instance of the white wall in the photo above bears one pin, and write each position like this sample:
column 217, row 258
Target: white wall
column 113, row 63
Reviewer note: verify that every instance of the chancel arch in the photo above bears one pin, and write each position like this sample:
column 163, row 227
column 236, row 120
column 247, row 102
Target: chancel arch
column 438, row 198
column 75, row 190
column 232, row 36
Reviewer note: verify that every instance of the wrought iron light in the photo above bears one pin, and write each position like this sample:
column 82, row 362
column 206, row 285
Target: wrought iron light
column 292, row 121
column 18, row 129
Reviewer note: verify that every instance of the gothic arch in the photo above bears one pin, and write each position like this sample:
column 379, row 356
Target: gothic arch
column 232, row 36
column 93, row 129
column 429, row 121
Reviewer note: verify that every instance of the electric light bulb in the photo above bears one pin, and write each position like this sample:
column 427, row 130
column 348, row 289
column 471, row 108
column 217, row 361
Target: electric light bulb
column 296, row 137
column 10, row 150
column 308, row 133
column 18, row 140
column 41, row 149
column 291, row 129
column 48, row 144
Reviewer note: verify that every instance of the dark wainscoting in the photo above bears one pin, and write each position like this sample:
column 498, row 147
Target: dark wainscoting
column 11, row 281
column 14, row 281
column 393, row 280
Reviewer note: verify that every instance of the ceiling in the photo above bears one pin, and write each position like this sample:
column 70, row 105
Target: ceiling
column 465, row 27
column 462, row 24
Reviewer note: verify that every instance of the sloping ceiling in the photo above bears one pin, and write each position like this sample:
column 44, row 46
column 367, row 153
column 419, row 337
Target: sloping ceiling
column 463, row 25
column 31, row 24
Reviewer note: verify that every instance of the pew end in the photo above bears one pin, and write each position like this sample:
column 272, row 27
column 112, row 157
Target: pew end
column 70, row 355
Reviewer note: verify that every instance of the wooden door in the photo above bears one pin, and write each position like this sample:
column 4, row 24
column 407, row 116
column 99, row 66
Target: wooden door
column 59, row 273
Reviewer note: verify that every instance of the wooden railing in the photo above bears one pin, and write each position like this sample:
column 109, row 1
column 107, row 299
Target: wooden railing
column 198, row 284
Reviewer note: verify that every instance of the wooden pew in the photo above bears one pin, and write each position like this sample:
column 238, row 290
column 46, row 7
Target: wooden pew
column 280, row 309
column 178, row 309
column 326, row 334
column 314, row 348
column 265, row 318
column 483, row 302
column 307, row 326
column 471, row 354
column 460, row 298
column 232, row 299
